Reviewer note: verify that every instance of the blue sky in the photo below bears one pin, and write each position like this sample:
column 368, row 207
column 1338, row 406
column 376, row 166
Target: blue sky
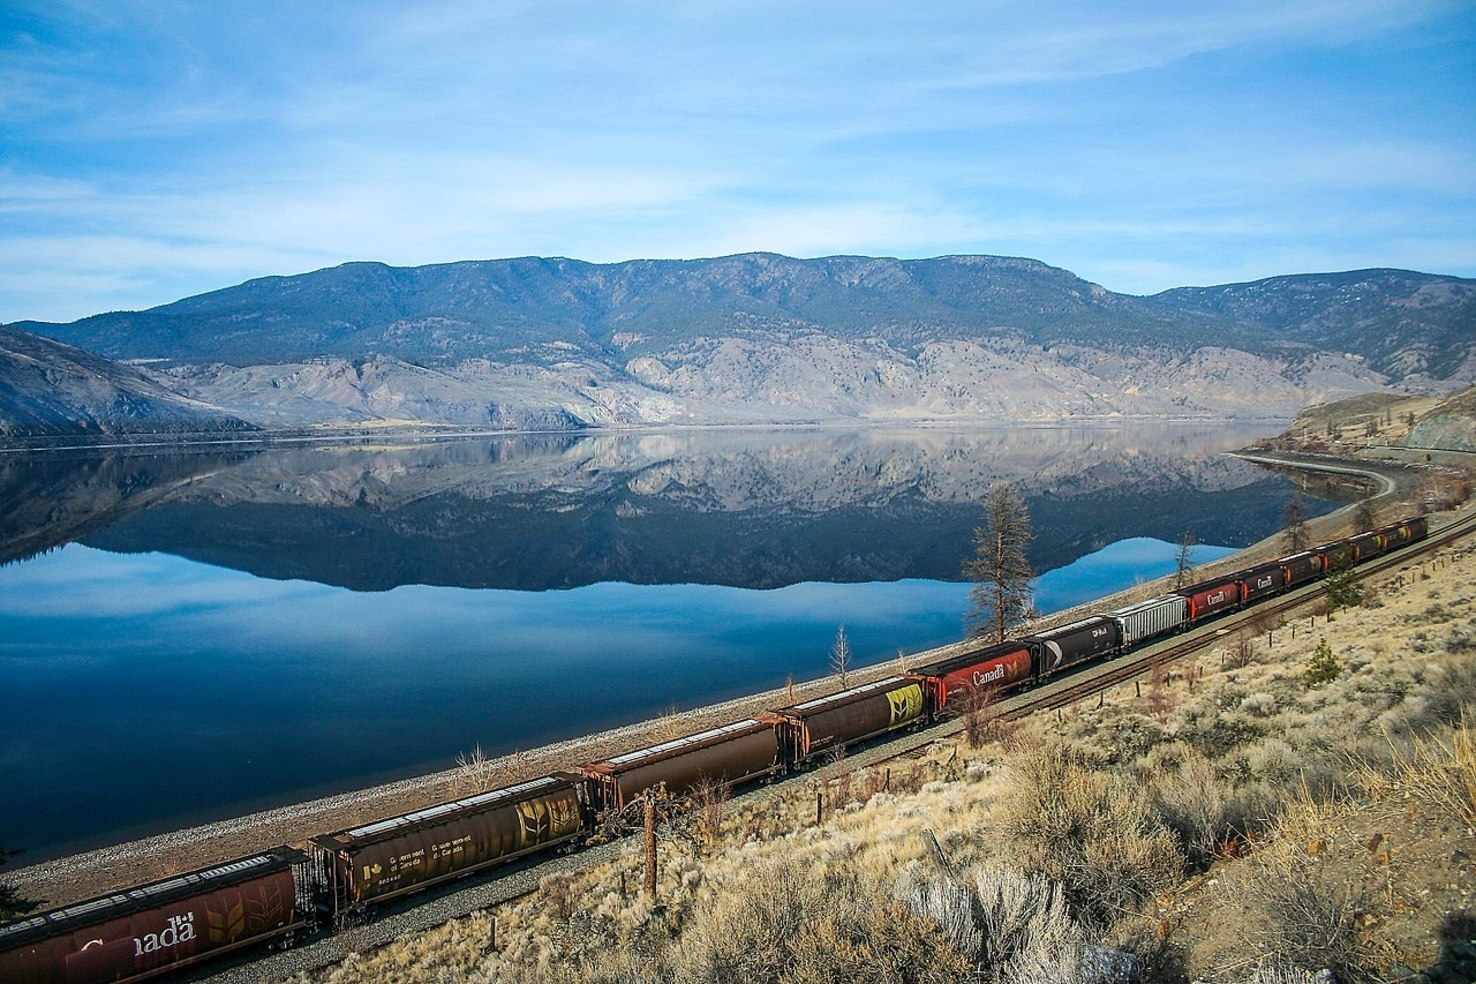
column 153, row 150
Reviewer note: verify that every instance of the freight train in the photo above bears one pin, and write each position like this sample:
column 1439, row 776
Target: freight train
column 281, row 894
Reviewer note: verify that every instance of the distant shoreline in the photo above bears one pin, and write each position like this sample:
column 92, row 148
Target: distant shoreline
column 116, row 442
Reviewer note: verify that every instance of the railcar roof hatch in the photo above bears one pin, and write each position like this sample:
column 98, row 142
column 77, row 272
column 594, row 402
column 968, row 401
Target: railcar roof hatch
column 392, row 824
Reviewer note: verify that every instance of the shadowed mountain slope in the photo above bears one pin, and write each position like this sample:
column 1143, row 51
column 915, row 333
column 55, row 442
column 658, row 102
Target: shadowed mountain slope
column 50, row 388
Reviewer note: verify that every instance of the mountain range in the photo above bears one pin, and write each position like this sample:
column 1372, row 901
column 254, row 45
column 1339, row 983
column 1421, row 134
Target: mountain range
column 534, row 343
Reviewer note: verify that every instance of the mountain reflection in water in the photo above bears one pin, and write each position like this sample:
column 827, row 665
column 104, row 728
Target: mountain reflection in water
column 747, row 509
column 383, row 608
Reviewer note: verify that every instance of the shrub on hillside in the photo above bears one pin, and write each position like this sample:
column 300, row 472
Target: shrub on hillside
column 1202, row 814
column 781, row 925
column 1095, row 833
column 1308, row 899
column 1437, row 769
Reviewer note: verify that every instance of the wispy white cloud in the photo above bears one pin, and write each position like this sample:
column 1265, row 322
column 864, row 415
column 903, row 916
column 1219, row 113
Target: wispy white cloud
column 154, row 152
column 1084, row 44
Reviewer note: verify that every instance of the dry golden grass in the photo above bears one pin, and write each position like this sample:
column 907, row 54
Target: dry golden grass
column 1439, row 769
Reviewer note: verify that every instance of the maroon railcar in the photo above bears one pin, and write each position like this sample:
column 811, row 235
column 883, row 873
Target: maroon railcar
column 991, row 669
column 1299, row 568
column 1260, row 582
column 729, row 755
column 1211, row 597
column 377, row 861
column 142, row 932
column 1366, row 546
column 1336, row 556
column 840, row 719
column 1404, row 532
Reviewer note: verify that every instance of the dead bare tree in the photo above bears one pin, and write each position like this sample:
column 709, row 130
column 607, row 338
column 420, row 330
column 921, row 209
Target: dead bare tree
column 473, row 771
column 840, row 656
column 979, row 713
column 1296, row 538
column 1184, row 560
column 1000, row 567
column 708, row 802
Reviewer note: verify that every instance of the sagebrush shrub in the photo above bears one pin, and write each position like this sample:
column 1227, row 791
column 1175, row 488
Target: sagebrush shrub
column 1095, row 833
column 808, row 927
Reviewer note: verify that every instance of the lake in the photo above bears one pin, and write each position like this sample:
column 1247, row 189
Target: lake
column 188, row 636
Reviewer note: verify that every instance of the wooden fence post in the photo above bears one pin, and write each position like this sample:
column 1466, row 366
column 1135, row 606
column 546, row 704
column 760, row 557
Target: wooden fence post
column 651, row 845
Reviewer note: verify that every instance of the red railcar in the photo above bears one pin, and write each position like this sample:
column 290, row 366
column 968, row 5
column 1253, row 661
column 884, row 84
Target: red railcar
column 1211, row 597
column 153, row 929
column 994, row 668
column 1259, row 582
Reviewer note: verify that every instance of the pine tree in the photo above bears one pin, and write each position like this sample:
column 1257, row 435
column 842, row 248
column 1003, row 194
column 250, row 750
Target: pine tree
column 11, row 902
column 1364, row 517
column 1000, row 567
column 1342, row 590
column 1322, row 666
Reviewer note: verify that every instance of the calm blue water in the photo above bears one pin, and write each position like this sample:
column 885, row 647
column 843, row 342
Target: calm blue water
column 184, row 638
column 136, row 646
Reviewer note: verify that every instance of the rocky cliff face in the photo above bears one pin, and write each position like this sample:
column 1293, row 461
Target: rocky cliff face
column 1449, row 426
column 559, row 344
column 780, row 379
column 50, row 388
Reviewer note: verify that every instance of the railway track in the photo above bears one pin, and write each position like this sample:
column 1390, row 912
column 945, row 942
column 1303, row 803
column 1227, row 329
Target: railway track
column 1090, row 682
column 521, row 880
